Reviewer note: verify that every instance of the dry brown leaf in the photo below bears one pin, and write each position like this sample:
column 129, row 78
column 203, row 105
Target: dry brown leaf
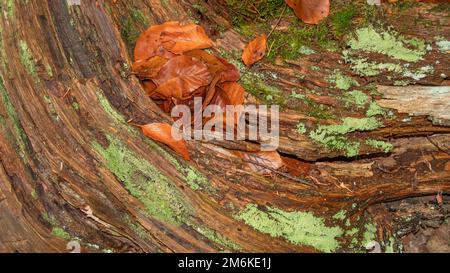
column 310, row 11
column 181, row 76
column 216, row 65
column 162, row 132
column 439, row 199
column 181, row 38
column 233, row 92
column 147, row 69
column 149, row 43
column 262, row 162
column 255, row 50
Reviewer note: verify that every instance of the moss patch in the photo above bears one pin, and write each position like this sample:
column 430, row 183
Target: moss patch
column 27, row 59
column 18, row 137
column 145, row 182
column 300, row 228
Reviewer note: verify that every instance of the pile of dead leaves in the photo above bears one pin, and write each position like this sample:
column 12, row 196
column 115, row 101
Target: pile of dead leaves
column 173, row 67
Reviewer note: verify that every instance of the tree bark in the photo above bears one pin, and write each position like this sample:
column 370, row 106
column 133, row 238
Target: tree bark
column 72, row 168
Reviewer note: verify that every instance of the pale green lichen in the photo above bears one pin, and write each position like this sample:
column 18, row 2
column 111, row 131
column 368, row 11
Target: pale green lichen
column 375, row 109
column 355, row 97
column 340, row 215
column 381, row 145
column 420, row 73
column 300, row 228
column 342, row 81
column 388, row 43
column 217, row 238
column 363, row 67
column 60, row 233
column 27, row 59
column 369, row 235
column 301, row 128
column 145, row 182
column 443, row 44
column 333, row 136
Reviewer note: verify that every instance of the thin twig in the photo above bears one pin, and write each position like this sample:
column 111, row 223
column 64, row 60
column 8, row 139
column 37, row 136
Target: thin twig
column 134, row 124
column 278, row 22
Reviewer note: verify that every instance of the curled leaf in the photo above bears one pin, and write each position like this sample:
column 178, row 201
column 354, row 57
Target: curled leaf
column 310, row 11
column 255, row 50
column 181, row 76
column 162, row 132
column 149, row 43
column 181, row 38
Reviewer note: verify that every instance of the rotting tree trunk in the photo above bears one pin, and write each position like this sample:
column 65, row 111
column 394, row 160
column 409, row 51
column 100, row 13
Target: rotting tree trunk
column 71, row 168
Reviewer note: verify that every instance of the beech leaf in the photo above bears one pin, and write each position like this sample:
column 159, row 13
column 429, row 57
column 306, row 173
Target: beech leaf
column 181, row 76
column 310, row 11
column 147, row 69
column 162, row 132
column 181, row 38
column 255, row 50
column 149, row 43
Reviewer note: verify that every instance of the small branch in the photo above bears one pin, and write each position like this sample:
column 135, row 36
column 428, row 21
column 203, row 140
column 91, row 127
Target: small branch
column 278, row 22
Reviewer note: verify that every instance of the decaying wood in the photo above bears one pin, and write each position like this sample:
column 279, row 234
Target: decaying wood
column 65, row 97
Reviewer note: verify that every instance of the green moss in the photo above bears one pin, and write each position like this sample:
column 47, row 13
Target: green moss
column 138, row 229
column 316, row 110
column 199, row 7
column 382, row 145
column 34, row 194
column 355, row 97
column 257, row 87
column 290, row 45
column 333, row 136
column 300, row 228
column 76, row 106
column 145, row 182
column 342, row 20
column 3, row 55
column 342, row 81
column 10, row 7
column 49, row 70
column 27, row 59
column 18, row 137
column 131, row 25
column 60, row 233
column 388, row 43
